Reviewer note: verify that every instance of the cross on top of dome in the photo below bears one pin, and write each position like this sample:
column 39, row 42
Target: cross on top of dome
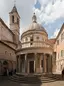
column 34, row 18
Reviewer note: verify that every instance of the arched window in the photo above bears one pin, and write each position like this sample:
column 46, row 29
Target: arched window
column 12, row 19
column 17, row 20
column 26, row 39
column 5, row 63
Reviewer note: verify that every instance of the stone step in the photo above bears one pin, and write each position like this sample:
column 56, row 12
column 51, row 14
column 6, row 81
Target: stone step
column 35, row 78
column 31, row 81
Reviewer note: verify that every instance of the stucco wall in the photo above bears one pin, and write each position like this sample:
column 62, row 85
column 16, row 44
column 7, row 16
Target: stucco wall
column 59, row 59
column 7, row 53
column 38, row 40
column 5, row 34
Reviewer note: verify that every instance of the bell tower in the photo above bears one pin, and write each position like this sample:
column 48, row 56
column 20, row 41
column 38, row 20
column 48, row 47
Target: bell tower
column 15, row 23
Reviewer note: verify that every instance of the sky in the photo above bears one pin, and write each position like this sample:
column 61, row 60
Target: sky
column 50, row 13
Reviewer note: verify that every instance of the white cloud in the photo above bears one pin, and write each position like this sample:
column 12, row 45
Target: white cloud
column 55, row 33
column 44, row 2
column 48, row 13
column 51, row 11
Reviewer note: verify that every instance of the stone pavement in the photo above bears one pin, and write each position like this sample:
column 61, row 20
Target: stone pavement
column 10, row 83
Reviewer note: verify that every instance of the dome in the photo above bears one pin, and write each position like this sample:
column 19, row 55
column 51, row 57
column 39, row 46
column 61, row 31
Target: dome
column 35, row 25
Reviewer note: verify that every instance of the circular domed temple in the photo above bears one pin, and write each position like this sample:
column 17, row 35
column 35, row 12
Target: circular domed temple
column 35, row 55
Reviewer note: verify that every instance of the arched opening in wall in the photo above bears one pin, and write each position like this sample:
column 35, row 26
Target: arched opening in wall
column 0, row 68
column 18, row 21
column 12, row 19
column 5, row 67
column 10, row 67
column 14, row 67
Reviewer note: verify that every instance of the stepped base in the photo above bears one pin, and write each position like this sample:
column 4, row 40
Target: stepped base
column 35, row 78
column 32, row 74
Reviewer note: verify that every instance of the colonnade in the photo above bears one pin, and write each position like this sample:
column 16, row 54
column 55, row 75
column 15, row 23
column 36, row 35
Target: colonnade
column 45, row 58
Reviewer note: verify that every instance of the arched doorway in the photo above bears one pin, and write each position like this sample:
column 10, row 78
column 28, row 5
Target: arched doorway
column 5, row 67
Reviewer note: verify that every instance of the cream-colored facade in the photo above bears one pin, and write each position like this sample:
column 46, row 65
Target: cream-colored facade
column 59, row 49
column 34, row 53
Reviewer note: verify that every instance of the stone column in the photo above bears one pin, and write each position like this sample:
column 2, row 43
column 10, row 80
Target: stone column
column 51, row 63
column 35, row 62
column 25, row 63
column 40, row 63
column 19, row 63
column 45, row 69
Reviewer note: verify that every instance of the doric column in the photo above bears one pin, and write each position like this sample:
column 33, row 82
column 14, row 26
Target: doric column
column 45, row 64
column 35, row 64
column 19, row 62
column 16, row 64
column 25, row 63
column 41, row 63
column 51, row 63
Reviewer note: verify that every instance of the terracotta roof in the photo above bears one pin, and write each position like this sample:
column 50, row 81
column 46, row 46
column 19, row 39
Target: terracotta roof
column 52, row 41
column 5, row 25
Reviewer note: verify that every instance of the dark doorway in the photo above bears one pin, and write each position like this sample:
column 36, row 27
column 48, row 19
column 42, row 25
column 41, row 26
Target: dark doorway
column 31, row 66
column 5, row 67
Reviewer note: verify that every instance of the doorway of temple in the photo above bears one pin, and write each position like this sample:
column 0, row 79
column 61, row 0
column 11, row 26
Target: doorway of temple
column 31, row 67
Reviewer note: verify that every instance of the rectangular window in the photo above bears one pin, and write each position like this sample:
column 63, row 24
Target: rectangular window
column 62, row 36
column 17, row 20
column 58, row 55
column 31, row 43
column 57, row 42
column 62, row 53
